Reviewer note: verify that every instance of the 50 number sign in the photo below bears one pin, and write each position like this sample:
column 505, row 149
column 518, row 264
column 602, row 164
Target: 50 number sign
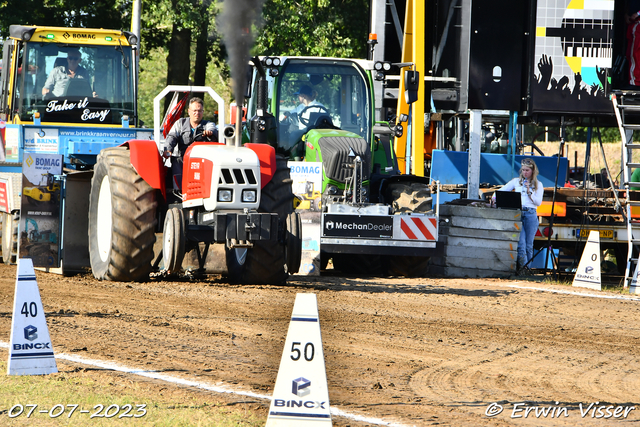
column 308, row 351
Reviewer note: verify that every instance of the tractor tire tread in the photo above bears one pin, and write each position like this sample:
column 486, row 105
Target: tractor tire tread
column 134, row 219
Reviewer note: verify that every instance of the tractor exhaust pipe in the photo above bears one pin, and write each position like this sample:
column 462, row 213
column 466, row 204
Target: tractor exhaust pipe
column 238, row 131
column 229, row 133
column 262, row 126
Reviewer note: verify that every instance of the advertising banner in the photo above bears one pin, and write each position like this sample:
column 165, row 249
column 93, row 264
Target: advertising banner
column 40, row 141
column 307, row 185
column 5, row 189
column 573, row 51
column 40, row 219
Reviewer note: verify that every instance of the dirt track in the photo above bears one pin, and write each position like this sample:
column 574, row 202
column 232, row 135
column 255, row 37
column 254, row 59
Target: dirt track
column 416, row 352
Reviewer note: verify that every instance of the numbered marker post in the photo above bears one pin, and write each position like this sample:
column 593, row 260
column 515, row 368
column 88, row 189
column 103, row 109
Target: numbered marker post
column 301, row 396
column 588, row 272
column 31, row 351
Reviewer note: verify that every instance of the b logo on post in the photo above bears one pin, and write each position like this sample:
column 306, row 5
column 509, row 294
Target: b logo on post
column 30, row 333
column 301, row 387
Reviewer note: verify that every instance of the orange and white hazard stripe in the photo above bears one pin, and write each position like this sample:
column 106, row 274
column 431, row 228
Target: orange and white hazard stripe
column 417, row 228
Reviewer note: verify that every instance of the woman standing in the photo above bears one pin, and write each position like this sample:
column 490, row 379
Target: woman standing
column 531, row 191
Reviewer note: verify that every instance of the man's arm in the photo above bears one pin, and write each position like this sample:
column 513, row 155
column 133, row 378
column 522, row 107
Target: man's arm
column 210, row 131
column 173, row 137
column 50, row 82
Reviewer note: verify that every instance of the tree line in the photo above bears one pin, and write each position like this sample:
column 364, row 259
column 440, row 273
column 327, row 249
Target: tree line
column 181, row 42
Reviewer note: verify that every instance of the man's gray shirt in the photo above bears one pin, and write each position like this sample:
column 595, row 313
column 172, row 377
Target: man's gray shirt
column 59, row 79
column 182, row 135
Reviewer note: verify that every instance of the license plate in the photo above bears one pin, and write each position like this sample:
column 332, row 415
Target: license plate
column 604, row 234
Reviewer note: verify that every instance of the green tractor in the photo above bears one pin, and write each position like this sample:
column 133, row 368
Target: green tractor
column 373, row 219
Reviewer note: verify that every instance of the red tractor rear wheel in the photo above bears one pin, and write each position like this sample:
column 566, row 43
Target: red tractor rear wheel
column 122, row 219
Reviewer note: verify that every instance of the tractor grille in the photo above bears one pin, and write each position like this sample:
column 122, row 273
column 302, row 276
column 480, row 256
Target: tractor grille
column 237, row 176
column 335, row 156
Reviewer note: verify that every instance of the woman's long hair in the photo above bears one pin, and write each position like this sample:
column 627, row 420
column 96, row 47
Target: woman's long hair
column 534, row 172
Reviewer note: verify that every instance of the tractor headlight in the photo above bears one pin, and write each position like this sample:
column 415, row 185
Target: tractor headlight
column 249, row 196
column 332, row 190
column 225, row 195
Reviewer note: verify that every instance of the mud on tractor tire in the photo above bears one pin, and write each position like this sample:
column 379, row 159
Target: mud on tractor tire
column 122, row 219
column 266, row 262
column 409, row 197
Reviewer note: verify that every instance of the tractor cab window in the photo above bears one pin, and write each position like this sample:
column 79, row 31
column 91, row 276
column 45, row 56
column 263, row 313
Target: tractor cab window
column 74, row 84
column 320, row 95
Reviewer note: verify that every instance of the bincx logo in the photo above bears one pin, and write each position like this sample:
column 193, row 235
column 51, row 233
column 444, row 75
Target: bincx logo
column 30, row 333
column 301, row 386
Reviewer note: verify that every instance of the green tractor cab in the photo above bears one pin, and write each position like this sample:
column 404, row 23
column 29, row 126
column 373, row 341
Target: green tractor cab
column 322, row 110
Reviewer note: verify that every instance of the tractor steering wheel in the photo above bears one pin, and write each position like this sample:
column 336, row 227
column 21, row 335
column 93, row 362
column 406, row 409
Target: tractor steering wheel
column 306, row 120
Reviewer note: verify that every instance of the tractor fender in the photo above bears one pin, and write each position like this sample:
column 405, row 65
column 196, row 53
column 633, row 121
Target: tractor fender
column 267, row 156
column 146, row 160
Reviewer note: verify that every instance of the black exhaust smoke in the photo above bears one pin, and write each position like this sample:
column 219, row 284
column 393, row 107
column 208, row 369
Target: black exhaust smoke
column 238, row 20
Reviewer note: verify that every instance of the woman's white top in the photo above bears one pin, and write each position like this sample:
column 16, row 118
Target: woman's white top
column 528, row 201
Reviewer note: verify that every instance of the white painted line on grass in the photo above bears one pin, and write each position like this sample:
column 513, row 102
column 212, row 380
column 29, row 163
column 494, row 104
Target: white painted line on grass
column 201, row 385
column 582, row 294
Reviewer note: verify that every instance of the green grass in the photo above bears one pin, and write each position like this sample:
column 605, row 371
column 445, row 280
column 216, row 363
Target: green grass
column 88, row 388
column 609, row 286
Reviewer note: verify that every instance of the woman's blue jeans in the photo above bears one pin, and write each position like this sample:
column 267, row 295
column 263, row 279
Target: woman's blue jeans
column 527, row 234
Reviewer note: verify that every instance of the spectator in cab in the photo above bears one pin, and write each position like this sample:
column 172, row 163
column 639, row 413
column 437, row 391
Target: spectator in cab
column 60, row 77
column 307, row 101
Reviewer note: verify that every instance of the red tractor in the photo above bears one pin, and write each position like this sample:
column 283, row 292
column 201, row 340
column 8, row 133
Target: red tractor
column 238, row 195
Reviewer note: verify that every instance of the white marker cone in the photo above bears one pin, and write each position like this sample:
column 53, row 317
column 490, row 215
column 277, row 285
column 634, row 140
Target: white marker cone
column 31, row 351
column 301, row 396
column 588, row 272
